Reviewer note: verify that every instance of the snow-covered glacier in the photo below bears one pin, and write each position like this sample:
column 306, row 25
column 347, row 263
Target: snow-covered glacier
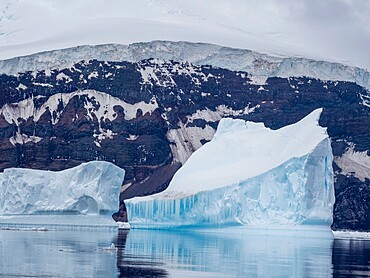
column 86, row 195
column 248, row 175
column 259, row 66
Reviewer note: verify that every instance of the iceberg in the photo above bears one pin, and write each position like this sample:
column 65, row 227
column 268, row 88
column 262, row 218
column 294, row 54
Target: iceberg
column 84, row 196
column 248, row 175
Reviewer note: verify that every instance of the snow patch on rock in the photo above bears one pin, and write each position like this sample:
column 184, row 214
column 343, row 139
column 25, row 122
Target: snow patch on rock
column 354, row 163
column 159, row 72
column 21, row 139
column 99, row 106
column 185, row 140
column 220, row 112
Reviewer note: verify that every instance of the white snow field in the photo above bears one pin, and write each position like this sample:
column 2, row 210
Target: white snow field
column 248, row 175
column 292, row 28
column 83, row 196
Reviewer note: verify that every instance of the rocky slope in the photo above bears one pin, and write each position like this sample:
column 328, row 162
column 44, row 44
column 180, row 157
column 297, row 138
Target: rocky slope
column 147, row 107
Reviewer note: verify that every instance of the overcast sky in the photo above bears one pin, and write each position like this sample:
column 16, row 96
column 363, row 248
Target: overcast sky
column 334, row 30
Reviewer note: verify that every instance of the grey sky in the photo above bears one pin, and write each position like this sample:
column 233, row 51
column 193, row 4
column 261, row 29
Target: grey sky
column 337, row 26
column 336, row 29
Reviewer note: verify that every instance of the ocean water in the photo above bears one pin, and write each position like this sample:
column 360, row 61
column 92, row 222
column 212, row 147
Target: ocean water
column 181, row 253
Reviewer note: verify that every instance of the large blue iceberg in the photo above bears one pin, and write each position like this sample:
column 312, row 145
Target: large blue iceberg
column 86, row 195
column 248, row 175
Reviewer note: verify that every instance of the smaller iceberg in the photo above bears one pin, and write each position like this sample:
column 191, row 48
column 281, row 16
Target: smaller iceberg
column 83, row 196
column 248, row 175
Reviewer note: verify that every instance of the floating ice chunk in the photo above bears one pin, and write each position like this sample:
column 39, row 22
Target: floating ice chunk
column 352, row 235
column 123, row 225
column 111, row 248
column 249, row 175
column 84, row 195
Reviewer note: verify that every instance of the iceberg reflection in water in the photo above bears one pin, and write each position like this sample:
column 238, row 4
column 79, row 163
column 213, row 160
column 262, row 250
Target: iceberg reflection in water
column 27, row 253
column 186, row 253
column 230, row 252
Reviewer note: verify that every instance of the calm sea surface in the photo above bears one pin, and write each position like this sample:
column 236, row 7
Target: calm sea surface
column 153, row 253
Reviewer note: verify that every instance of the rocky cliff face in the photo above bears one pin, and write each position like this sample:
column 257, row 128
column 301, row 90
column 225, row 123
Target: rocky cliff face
column 148, row 116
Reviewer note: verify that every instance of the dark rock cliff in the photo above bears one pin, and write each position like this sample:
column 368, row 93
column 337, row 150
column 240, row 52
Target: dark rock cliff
column 148, row 117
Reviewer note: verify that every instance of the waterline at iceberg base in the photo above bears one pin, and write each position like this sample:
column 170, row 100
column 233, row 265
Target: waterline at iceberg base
column 248, row 175
column 85, row 196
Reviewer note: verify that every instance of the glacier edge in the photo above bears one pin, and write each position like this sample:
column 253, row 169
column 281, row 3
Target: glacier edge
column 197, row 53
